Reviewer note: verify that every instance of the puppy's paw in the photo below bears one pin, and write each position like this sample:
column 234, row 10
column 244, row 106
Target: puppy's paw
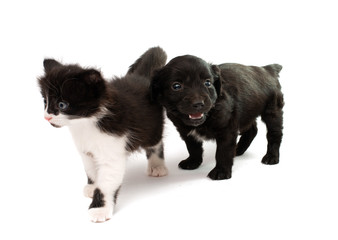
column 157, row 171
column 240, row 150
column 270, row 159
column 88, row 190
column 219, row 174
column 189, row 164
column 100, row 214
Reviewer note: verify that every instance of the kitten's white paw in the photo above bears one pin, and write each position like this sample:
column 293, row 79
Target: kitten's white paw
column 88, row 190
column 157, row 171
column 100, row 214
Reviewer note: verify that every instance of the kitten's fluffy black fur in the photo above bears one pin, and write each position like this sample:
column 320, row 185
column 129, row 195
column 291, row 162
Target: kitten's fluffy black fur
column 107, row 119
column 126, row 100
column 207, row 101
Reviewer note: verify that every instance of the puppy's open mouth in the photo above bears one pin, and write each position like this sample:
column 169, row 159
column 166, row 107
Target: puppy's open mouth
column 196, row 116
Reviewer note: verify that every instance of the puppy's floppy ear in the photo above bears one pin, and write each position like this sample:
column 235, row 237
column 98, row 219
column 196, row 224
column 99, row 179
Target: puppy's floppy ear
column 216, row 72
column 49, row 64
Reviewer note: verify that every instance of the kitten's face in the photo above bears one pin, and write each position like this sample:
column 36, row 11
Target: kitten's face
column 70, row 92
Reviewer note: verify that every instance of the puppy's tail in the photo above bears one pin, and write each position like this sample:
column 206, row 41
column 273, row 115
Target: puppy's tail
column 153, row 59
column 274, row 69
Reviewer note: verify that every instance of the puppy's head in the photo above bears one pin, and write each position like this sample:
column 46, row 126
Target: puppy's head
column 188, row 88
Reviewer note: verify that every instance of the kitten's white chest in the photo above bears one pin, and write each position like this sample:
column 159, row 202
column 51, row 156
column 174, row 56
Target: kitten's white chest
column 89, row 139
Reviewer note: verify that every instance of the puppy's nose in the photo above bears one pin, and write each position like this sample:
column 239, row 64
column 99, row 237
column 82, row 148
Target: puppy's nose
column 198, row 104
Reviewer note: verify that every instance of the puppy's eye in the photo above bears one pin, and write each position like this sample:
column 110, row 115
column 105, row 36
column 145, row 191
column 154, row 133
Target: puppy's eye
column 176, row 86
column 207, row 83
column 63, row 105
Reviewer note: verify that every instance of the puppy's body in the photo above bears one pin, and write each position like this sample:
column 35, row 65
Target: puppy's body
column 217, row 102
column 253, row 88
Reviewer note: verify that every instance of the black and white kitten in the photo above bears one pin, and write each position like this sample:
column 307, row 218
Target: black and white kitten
column 107, row 121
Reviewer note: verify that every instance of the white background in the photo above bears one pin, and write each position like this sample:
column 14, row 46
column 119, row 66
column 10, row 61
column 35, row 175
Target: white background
column 41, row 174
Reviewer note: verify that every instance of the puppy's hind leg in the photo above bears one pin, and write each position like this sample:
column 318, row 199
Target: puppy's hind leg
column 246, row 139
column 273, row 118
column 156, row 165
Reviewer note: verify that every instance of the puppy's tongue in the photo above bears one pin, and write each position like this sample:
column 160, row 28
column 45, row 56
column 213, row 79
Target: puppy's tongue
column 196, row 116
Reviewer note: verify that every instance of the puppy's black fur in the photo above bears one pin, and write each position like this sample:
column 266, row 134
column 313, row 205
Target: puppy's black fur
column 218, row 102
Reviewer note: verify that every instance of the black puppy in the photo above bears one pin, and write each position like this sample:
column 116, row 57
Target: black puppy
column 219, row 102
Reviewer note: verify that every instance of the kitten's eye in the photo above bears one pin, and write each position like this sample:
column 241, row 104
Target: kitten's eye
column 176, row 86
column 207, row 83
column 63, row 105
column 45, row 102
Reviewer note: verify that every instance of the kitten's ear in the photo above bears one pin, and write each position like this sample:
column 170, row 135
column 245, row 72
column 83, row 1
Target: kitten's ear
column 95, row 83
column 49, row 64
column 216, row 72
column 93, row 76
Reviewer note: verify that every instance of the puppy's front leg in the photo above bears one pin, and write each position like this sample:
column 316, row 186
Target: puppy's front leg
column 225, row 152
column 195, row 153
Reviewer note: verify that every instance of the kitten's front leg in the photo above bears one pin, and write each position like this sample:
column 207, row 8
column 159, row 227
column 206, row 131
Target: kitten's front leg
column 109, row 178
column 88, row 160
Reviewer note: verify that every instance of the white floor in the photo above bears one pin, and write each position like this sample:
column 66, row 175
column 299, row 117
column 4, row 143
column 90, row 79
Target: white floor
column 41, row 174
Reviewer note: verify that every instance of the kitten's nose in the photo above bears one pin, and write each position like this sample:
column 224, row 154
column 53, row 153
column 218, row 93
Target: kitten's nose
column 48, row 118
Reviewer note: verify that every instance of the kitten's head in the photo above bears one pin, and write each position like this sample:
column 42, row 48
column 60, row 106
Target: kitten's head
column 70, row 92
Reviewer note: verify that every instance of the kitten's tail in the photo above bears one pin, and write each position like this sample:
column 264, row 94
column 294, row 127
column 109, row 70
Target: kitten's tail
column 153, row 59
